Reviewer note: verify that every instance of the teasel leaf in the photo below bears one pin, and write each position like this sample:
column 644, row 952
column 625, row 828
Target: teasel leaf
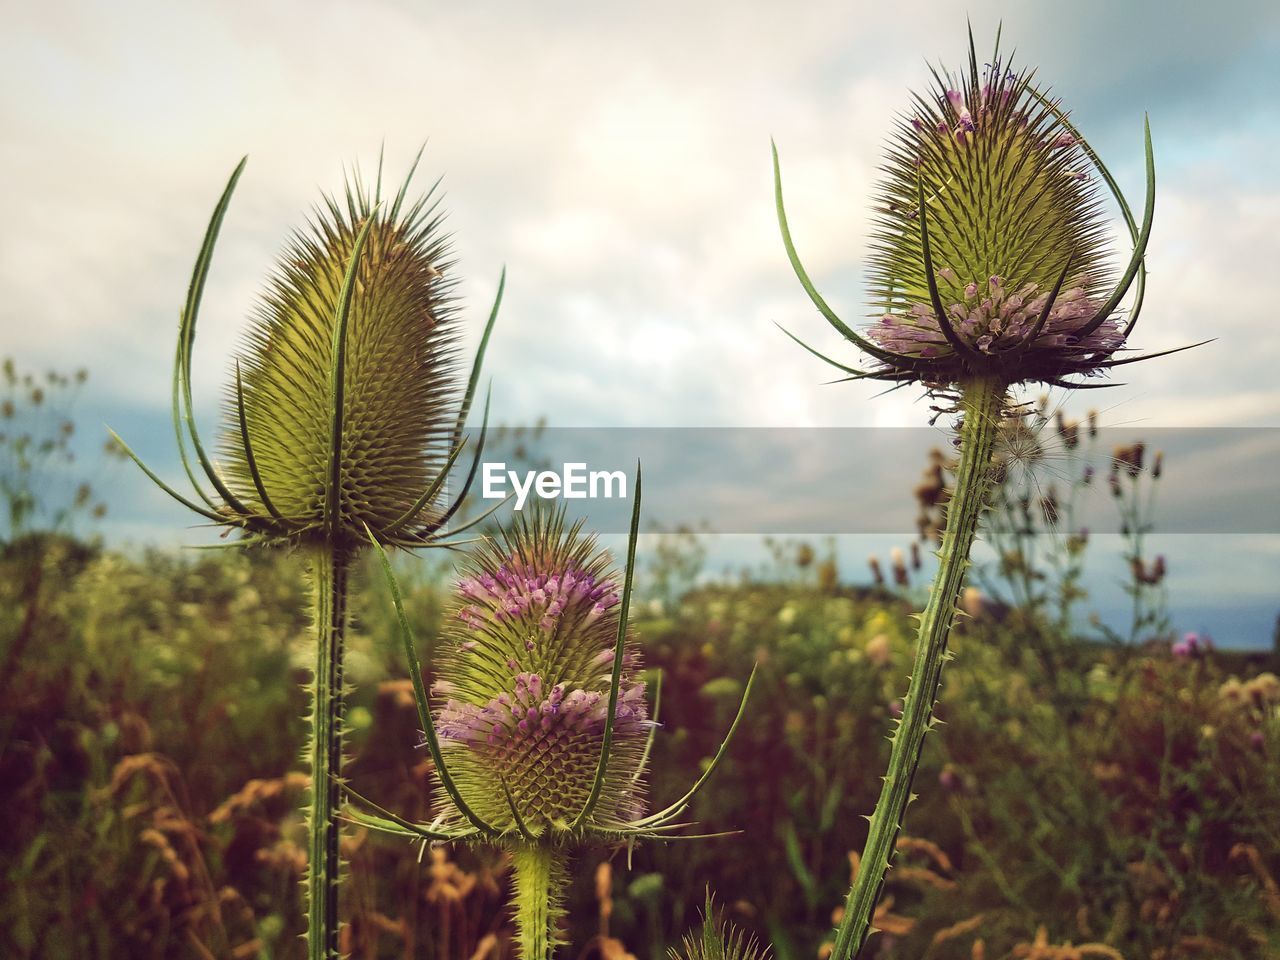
column 1136, row 261
column 183, row 415
column 803, row 276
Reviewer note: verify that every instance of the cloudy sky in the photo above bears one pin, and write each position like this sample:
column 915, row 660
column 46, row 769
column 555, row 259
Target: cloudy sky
column 616, row 159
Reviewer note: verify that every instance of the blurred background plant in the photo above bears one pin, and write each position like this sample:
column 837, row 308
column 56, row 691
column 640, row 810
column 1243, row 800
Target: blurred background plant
column 44, row 498
column 37, row 476
column 1050, row 464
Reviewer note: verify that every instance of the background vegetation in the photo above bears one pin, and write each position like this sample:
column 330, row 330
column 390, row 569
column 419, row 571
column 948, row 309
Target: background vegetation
column 1084, row 798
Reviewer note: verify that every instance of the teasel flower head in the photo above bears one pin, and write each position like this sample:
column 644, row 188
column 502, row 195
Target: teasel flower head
column 526, row 681
column 989, row 247
column 347, row 404
column 540, row 731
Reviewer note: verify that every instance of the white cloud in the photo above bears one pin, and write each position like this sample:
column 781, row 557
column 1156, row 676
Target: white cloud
column 616, row 160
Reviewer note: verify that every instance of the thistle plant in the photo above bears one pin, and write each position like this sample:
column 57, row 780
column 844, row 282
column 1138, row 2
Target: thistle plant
column 717, row 939
column 989, row 270
column 343, row 421
column 541, row 733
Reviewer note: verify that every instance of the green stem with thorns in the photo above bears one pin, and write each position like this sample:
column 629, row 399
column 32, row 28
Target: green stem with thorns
column 981, row 404
column 331, row 570
column 539, row 881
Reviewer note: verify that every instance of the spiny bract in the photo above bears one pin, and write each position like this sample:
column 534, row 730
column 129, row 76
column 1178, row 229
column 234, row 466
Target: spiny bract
column 400, row 392
column 526, row 676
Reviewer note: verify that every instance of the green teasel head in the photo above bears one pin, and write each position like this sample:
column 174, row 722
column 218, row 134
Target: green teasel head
column 989, row 249
column 540, row 731
column 346, row 409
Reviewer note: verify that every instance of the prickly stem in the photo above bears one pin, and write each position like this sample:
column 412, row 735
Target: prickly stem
column 331, row 569
column 982, row 401
column 539, row 887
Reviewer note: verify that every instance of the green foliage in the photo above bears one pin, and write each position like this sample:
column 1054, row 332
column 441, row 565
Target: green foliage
column 799, row 776
column 138, row 708
column 149, row 768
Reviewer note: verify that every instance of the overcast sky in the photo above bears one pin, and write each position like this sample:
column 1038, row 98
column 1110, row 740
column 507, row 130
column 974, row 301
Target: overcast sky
column 615, row 157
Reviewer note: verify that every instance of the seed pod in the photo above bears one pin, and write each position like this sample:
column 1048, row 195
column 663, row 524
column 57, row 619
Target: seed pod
column 544, row 733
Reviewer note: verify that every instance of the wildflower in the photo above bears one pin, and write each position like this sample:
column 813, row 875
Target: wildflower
column 347, row 407
column 529, row 694
column 543, row 733
column 897, row 559
column 877, row 572
column 343, row 421
column 989, row 270
column 1192, row 645
column 878, row 650
column 950, row 780
column 989, row 255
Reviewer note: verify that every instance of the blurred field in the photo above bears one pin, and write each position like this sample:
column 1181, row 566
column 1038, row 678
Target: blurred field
column 1122, row 798
column 1110, row 798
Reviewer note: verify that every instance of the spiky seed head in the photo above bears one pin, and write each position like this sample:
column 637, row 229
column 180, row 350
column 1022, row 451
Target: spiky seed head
column 718, row 939
column 525, row 676
column 1011, row 213
column 401, row 385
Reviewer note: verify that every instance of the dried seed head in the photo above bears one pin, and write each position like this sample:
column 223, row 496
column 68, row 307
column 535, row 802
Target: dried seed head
column 898, row 560
column 527, row 675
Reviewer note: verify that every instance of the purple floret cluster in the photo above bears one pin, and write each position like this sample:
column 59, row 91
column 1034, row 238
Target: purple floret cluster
column 1192, row 645
column 533, row 713
column 517, row 593
column 991, row 319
